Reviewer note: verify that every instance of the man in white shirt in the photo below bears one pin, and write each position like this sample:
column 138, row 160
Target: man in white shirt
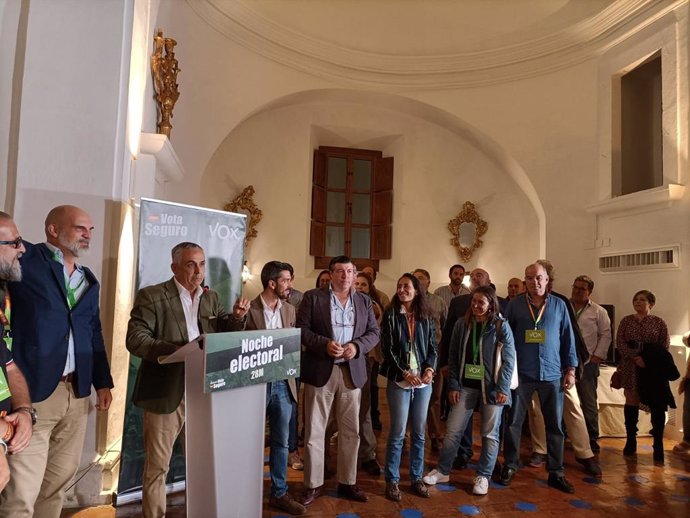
column 270, row 310
column 595, row 326
column 456, row 274
column 165, row 317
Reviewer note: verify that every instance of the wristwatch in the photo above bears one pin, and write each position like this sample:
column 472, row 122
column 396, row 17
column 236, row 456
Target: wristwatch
column 29, row 410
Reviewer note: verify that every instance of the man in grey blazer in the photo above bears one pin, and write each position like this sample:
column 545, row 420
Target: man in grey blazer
column 165, row 317
column 338, row 329
column 270, row 310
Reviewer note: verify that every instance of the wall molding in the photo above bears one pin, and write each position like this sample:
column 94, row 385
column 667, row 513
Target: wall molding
column 528, row 58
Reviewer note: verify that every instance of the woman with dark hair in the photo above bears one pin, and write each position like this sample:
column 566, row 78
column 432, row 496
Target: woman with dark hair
column 481, row 360
column 409, row 350
column 324, row 279
column 645, row 369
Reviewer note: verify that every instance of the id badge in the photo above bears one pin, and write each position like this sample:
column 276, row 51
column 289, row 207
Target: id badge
column 4, row 387
column 535, row 336
column 474, row 372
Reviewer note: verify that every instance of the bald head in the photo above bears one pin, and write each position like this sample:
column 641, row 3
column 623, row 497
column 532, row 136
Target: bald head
column 479, row 277
column 514, row 287
column 69, row 228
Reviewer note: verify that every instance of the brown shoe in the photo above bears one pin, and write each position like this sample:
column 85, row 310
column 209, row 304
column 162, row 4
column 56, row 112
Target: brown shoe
column 288, row 504
column 393, row 491
column 352, row 493
column 420, row 489
column 311, row 494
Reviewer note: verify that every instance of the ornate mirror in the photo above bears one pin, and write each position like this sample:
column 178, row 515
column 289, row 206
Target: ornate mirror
column 244, row 204
column 467, row 228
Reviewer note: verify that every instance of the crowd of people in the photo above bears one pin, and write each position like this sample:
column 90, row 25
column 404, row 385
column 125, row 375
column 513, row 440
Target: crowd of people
column 444, row 356
column 448, row 354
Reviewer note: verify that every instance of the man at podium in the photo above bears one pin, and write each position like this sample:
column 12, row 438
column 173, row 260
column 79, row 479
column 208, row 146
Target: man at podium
column 270, row 310
column 338, row 329
column 165, row 317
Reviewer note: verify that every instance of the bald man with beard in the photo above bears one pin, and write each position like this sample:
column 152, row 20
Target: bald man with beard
column 58, row 345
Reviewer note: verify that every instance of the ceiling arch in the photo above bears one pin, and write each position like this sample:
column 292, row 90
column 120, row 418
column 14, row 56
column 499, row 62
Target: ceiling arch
column 543, row 40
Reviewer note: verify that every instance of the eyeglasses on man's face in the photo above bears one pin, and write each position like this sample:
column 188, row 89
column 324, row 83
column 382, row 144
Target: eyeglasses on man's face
column 17, row 243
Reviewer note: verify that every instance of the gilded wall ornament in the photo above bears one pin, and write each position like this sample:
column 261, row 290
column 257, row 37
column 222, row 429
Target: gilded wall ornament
column 467, row 228
column 244, row 204
column 164, row 68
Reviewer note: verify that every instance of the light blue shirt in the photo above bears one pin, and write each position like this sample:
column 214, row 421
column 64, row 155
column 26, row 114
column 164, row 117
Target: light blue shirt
column 545, row 361
column 342, row 320
column 75, row 284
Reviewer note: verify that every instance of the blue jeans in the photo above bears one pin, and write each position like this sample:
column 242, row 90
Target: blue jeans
column 292, row 439
column 278, row 409
column 460, row 416
column 401, row 402
column 551, row 397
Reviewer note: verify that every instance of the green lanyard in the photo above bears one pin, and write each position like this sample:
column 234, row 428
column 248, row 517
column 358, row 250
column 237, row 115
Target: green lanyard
column 5, row 320
column 71, row 292
column 477, row 340
column 538, row 318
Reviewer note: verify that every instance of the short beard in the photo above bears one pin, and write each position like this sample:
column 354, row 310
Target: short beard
column 11, row 272
column 76, row 250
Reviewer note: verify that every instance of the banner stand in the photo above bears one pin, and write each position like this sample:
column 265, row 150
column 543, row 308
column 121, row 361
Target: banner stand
column 224, row 446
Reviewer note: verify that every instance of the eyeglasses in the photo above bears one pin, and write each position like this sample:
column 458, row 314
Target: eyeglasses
column 15, row 244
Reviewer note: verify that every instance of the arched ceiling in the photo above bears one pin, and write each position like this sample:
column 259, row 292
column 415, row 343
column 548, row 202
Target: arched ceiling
column 428, row 43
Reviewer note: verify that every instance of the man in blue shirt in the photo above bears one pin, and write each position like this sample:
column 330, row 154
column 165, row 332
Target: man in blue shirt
column 546, row 358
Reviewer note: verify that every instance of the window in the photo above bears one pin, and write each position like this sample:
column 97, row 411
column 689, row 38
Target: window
column 352, row 206
column 640, row 164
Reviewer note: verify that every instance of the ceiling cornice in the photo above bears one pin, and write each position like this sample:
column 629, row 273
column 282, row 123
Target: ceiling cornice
column 528, row 58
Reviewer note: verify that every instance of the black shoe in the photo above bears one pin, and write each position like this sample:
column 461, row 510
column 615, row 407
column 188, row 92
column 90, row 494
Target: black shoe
column 460, row 462
column 591, row 466
column 560, row 483
column 352, row 492
column 372, row 467
column 630, row 447
column 507, row 474
column 595, row 446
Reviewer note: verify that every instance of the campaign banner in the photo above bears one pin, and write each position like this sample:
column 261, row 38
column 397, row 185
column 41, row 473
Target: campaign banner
column 244, row 358
column 162, row 225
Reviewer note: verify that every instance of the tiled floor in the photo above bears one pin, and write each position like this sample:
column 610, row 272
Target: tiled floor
column 627, row 489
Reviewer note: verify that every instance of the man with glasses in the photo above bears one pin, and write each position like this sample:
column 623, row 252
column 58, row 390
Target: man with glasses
column 545, row 346
column 595, row 326
column 58, row 345
column 338, row 329
column 15, row 421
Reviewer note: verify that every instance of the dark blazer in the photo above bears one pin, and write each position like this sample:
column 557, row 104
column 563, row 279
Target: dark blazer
column 41, row 322
column 254, row 321
column 653, row 380
column 156, row 328
column 314, row 319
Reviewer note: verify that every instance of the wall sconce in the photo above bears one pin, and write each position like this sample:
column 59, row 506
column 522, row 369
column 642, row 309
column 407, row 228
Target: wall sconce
column 246, row 274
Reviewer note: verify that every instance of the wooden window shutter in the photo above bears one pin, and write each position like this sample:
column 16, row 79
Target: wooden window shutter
column 382, row 209
column 317, row 239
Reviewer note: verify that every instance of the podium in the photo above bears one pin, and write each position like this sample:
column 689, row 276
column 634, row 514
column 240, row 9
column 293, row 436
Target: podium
column 224, row 444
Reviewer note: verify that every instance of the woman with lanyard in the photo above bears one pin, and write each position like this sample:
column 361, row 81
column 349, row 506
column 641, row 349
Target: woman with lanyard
column 409, row 351
column 480, row 368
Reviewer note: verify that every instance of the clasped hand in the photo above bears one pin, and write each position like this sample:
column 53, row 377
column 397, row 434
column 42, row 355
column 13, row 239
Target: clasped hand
column 345, row 352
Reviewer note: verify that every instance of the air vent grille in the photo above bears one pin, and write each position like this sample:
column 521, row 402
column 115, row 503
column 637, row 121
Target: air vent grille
column 660, row 258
